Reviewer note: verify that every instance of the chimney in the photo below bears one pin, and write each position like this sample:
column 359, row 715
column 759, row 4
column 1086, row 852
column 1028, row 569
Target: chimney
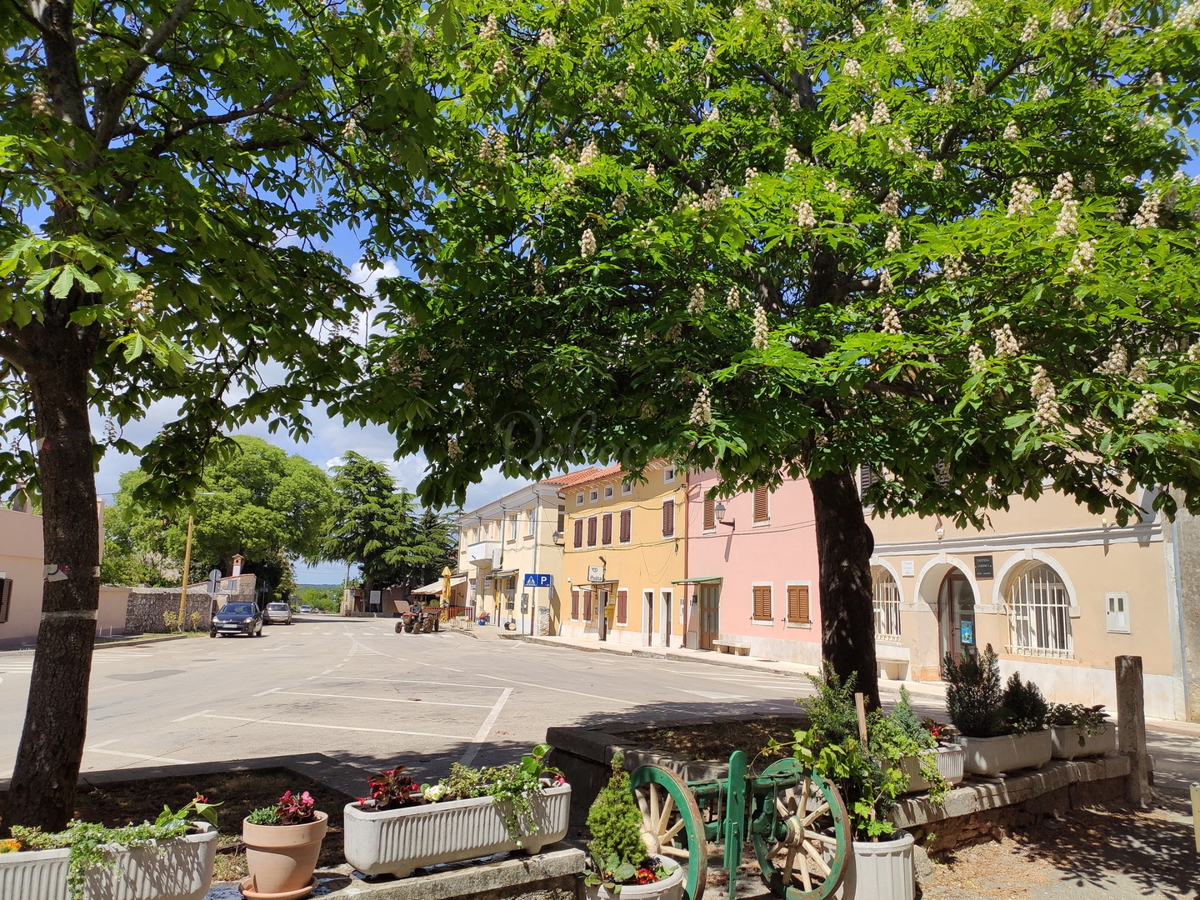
column 238, row 559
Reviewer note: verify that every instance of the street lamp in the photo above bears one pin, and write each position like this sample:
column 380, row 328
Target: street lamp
column 187, row 565
column 719, row 512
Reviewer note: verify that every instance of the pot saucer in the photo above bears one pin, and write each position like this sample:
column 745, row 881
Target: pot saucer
column 249, row 894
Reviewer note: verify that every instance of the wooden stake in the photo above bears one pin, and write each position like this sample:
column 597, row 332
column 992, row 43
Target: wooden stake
column 861, row 705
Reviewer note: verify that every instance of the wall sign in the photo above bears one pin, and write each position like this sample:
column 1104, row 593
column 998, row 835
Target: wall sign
column 983, row 567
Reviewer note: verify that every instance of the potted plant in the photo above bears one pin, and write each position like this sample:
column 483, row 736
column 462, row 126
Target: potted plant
column 171, row 859
column 621, row 865
column 938, row 763
column 474, row 812
column 282, row 846
column 1077, row 731
column 1000, row 730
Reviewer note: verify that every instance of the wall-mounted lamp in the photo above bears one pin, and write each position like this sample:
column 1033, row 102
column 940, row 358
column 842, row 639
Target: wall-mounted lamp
column 941, row 532
column 719, row 512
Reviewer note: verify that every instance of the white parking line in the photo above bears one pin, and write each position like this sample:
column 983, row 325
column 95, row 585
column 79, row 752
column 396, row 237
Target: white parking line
column 381, row 699
column 486, row 728
column 454, row 737
column 542, row 687
column 264, row 693
column 202, row 712
column 485, row 687
column 162, row 759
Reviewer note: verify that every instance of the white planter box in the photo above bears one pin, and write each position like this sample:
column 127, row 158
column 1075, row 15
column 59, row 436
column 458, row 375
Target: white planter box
column 399, row 840
column 949, row 763
column 879, row 870
column 176, row 870
column 1007, row 753
column 1065, row 742
column 670, row 888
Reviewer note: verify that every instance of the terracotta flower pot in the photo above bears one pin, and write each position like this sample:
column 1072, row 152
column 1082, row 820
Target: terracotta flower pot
column 281, row 858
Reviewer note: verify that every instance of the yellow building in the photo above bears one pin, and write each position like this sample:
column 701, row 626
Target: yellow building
column 624, row 553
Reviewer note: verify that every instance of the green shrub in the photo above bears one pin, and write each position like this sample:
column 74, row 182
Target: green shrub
column 1024, row 706
column 904, row 717
column 974, row 693
column 614, row 821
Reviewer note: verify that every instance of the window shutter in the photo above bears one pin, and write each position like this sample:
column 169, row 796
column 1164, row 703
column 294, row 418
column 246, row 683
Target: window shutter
column 941, row 474
column 669, row 518
column 798, row 604
column 574, row 604
column 626, row 526
column 762, row 602
column 578, row 533
column 592, row 531
column 761, row 507
column 587, row 606
column 606, row 530
column 622, row 607
column 6, row 585
column 866, row 477
column 710, row 513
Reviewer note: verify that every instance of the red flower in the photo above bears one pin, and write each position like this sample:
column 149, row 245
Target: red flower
column 646, row 876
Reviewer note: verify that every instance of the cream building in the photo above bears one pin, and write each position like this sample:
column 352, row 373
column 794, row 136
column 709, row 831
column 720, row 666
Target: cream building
column 1057, row 591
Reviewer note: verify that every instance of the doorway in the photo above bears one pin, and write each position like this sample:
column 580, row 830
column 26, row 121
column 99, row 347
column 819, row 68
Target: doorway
column 648, row 604
column 956, row 615
column 666, row 617
column 710, row 628
column 603, row 607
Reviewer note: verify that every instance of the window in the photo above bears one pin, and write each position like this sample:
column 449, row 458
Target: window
column 622, row 607
column 710, row 513
column 587, row 606
column 575, row 605
column 591, row 531
column 885, row 595
column 562, row 519
column 762, row 603
column 797, row 611
column 669, row 518
column 668, row 474
column 579, row 499
column 529, row 520
column 1118, row 613
column 608, row 492
column 866, row 477
column 606, row 529
column 578, row 533
column 762, row 509
column 626, row 488
column 593, row 495
column 6, row 586
column 1039, row 613
column 512, row 527
column 626, row 526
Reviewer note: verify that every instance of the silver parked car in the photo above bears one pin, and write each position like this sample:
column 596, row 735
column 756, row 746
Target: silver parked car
column 277, row 614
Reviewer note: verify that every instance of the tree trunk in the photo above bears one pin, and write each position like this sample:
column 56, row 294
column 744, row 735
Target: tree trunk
column 844, row 548
column 51, row 748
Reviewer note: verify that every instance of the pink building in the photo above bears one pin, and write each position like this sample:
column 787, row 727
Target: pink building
column 752, row 571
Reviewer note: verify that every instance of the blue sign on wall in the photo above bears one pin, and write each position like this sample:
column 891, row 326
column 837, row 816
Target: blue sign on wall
column 534, row 580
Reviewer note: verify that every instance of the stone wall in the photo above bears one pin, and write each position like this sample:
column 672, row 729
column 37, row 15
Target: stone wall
column 147, row 606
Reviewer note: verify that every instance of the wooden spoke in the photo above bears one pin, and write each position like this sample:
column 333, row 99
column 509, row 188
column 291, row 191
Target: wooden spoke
column 815, row 814
column 803, row 849
column 822, row 838
column 677, row 852
column 668, row 836
column 672, row 823
column 667, row 808
column 816, row 859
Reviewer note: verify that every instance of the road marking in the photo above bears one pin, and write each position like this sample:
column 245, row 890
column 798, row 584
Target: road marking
column 202, row 712
column 454, row 684
column 486, row 728
column 450, row 668
column 453, row 737
column 103, row 744
column 711, row 695
column 162, row 759
column 542, row 687
column 379, row 699
column 264, row 693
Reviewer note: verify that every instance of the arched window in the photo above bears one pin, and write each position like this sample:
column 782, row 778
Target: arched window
column 886, row 594
column 1039, row 612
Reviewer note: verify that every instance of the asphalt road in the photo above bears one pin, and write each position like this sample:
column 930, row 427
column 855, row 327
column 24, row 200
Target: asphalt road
column 356, row 693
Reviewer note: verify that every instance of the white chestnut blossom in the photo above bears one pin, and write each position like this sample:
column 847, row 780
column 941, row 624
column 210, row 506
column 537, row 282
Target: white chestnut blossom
column 890, row 206
column 713, row 115
column 761, row 329
column 452, row 448
column 1060, row 19
column 1011, row 131
column 675, row 333
column 1156, row 81
column 489, row 29
column 805, row 217
column 619, row 204
column 587, row 244
column 1042, row 93
column 978, row 89
column 1187, row 16
column 651, row 43
column 894, row 45
column 1116, row 363
column 976, row 359
column 791, row 158
column 1089, row 183
column 1007, row 345
column 893, row 242
column 1145, row 409
column 959, row 9
column 857, row 27
column 500, row 66
column 852, row 69
column 143, row 301
column 650, row 172
column 1064, row 187
column 954, row 268
column 1120, row 210
column 710, row 56
column 589, row 153
column 701, row 410
column 891, row 321
column 880, row 114
column 1045, row 395
column 858, row 125
column 1082, row 259
column 1031, row 29
column 939, row 172
column 1023, row 195
column 1147, row 214
column 1068, row 219
column 733, row 299
column 546, row 39
column 1112, row 25
column 885, row 282
column 696, row 299
column 918, row 11
column 1140, row 373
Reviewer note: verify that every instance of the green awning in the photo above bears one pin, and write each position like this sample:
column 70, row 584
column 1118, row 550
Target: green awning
column 703, row 579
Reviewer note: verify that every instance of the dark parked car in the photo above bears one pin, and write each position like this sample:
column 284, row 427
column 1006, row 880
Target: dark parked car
column 277, row 614
column 238, row 618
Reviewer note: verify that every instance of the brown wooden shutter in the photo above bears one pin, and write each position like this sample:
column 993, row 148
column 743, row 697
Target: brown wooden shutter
column 578, row 533
column 622, row 606
column 574, row 604
column 606, row 529
column 587, row 606
column 798, row 613
column 866, row 477
column 591, row 531
column 6, row 586
column 710, row 513
column 669, row 518
column 762, row 510
column 762, row 602
column 626, row 526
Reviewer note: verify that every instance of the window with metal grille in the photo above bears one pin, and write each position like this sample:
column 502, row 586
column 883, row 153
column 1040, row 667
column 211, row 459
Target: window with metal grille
column 592, row 531
column 6, row 586
column 886, row 598
column 762, row 508
column 575, row 605
column 578, row 533
column 1039, row 613
column 669, row 518
column 606, row 529
column 710, row 513
column 762, row 602
column 587, row 606
column 622, row 607
column 626, row 526
column 798, row 611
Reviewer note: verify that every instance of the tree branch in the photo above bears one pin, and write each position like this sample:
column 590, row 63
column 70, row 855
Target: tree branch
column 15, row 353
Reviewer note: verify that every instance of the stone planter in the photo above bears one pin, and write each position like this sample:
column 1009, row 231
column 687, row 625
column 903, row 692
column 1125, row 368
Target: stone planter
column 949, row 763
column 879, row 870
column 173, row 870
column 1006, row 753
column 397, row 841
column 281, row 858
column 670, row 888
column 1065, row 742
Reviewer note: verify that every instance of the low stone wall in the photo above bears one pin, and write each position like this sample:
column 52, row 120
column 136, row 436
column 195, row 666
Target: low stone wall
column 147, row 607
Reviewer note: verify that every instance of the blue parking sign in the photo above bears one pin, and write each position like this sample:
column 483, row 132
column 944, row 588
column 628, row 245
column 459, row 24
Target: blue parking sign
column 535, row 580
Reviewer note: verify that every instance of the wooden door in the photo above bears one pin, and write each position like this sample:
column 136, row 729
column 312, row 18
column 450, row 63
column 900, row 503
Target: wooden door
column 956, row 615
column 710, row 624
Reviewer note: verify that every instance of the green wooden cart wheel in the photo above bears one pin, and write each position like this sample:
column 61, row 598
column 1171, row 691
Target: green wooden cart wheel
column 671, row 823
column 801, row 834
